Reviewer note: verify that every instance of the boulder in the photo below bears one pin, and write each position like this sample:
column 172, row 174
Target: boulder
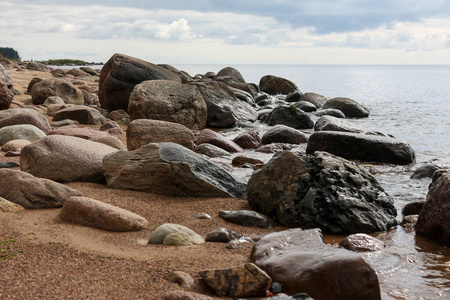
column 316, row 99
column 330, row 123
column 210, row 150
column 248, row 140
column 349, row 107
column 184, row 76
column 274, row 85
column 65, row 159
column 80, row 113
column 8, row 206
column 211, row 137
column 320, row 190
column 32, row 82
column 330, row 112
column 425, row 171
column 169, row 101
column 223, row 108
column 363, row 147
column 109, row 140
column 221, row 235
column 6, row 88
column 360, row 242
column 56, row 87
column 171, row 232
column 232, row 73
column 33, row 192
column 243, row 281
column 20, row 132
column 169, row 169
column 86, row 133
column 15, row 145
column 305, row 106
column 289, row 116
column 27, row 116
column 142, row 132
column 118, row 115
column 35, row 66
column 246, row 218
column 302, row 263
column 93, row 213
column 121, row 74
column 434, row 218
column 284, row 134
column 294, row 96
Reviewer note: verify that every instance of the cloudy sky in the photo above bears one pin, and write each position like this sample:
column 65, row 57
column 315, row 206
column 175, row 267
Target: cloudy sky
column 231, row 31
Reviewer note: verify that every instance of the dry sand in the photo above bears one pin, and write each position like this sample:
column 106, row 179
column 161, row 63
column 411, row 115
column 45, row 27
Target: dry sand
column 42, row 257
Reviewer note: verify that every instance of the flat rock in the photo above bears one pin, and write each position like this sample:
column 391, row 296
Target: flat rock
column 284, row 134
column 216, row 139
column 86, row 133
column 20, row 132
column 169, row 169
column 330, row 123
column 8, row 164
column 33, row 192
column 413, row 208
column 246, row 218
column 174, row 231
column 93, row 213
column 361, row 242
column 243, row 281
column 80, row 113
column 109, row 140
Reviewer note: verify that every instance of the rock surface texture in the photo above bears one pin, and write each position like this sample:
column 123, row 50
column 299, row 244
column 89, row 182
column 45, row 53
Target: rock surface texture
column 82, row 114
column 6, row 88
column 349, row 107
column 175, row 235
column 56, row 87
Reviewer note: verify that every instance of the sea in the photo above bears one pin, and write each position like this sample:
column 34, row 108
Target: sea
column 412, row 103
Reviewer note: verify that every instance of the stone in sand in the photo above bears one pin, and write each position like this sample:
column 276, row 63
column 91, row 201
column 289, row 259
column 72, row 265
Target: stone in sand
column 246, row 218
column 56, row 87
column 8, row 206
column 172, row 232
column 20, row 132
column 6, row 88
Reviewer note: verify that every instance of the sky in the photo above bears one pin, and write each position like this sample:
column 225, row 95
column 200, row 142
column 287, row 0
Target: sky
column 231, row 32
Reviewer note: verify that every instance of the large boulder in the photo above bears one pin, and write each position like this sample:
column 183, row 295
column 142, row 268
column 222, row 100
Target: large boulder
column 80, row 113
column 224, row 109
column 349, row 107
column 56, row 87
column 169, row 169
column 233, row 74
column 121, row 74
column 169, row 101
column 274, row 85
column 289, row 116
column 90, row 212
column 142, row 132
column 363, row 147
column 321, row 190
column 65, row 159
column 434, row 218
column 6, row 88
column 33, row 192
column 20, row 132
column 27, row 116
column 303, row 263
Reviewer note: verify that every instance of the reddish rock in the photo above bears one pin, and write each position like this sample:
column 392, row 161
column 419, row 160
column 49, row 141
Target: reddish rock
column 248, row 140
column 80, row 132
column 214, row 138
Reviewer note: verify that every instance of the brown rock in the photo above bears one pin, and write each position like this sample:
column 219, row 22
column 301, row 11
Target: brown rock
column 33, row 82
column 27, row 116
column 239, row 161
column 56, row 87
column 243, row 281
column 142, row 131
column 76, row 72
column 183, row 295
column 109, row 125
column 33, row 192
column 83, row 132
column 232, row 73
column 110, row 141
column 249, row 139
column 118, row 114
column 274, row 85
column 94, row 213
column 362, row 242
column 214, row 138
column 183, row 279
column 15, row 145
column 8, row 206
column 6, row 88
column 82, row 114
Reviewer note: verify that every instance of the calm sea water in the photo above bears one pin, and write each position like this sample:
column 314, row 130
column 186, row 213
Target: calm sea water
column 413, row 104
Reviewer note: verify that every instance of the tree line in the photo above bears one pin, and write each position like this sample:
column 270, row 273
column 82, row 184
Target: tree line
column 9, row 53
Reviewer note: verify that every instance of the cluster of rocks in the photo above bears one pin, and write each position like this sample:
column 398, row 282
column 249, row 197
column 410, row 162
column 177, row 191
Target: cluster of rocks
column 169, row 116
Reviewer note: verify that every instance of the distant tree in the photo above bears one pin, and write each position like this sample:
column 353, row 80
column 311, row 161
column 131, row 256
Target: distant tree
column 9, row 53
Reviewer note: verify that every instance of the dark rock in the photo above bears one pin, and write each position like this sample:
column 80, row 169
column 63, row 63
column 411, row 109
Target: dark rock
column 80, row 113
column 33, row 82
column 363, row 147
column 425, row 171
column 330, row 112
column 413, row 208
column 305, row 106
column 262, row 97
column 246, row 218
column 169, row 169
column 250, row 88
column 248, row 140
column 360, row 242
column 276, row 288
column 434, row 218
column 210, row 150
column 274, row 85
column 211, row 137
column 284, row 134
column 294, row 96
column 409, row 222
column 301, row 262
column 121, row 74
column 184, row 77
column 35, row 66
column 224, row 109
column 232, row 73
column 270, row 148
column 89, row 70
column 56, row 87
column 221, row 235
column 169, row 101
column 289, row 116
column 8, row 164
column 320, row 190
column 6, row 89
column 243, row 281
column 349, row 107
column 77, row 72
column 118, row 114
column 329, row 123
column 316, row 99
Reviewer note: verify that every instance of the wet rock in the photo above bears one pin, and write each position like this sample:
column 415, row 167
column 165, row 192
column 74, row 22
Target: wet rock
column 274, row 85
column 221, row 235
column 241, row 160
column 8, row 206
column 232, row 73
column 409, row 222
column 250, row 88
column 320, row 190
column 165, row 230
column 314, row 98
column 210, row 150
column 329, row 123
column 33, row 192
column 289, row 116
column 361, row 242
column 8, row 164
column 6, row 88
column 301, row 262
column 109, row 140
column 294, row 96
column 121, row 74
column 270, row 148
column 93, row 213
column 246, row 218
column 216, row 139
column 425, row 171
column 413, row 208
column 223, row 108
column 15, row 145
column 56, row 87
column 169, row 169
column 248, row 140
column 349, row 107
column 86, row 133
column 168, row 101
column 434, row 218
column 244, row 281
column 363, row 147
column 305, row 106
column 183, row 279
column 330, row 112
column 20, row 132
column 284, row 134
column 65, row 159
column 80, row 113
column 183, row 295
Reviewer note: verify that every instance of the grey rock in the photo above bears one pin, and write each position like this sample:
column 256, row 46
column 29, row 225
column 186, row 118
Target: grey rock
column 330, row 123
column 425, row 171
column 221, row 235
column 330, row 112
column 349, row 107
column 314, row 98
column 162, row 232
column 246, row 218
column 56, row 87
column 284, row 134
column 305, row 106
column 210, row 150
column 20, row 132
column 289, row 116
column 8, row 164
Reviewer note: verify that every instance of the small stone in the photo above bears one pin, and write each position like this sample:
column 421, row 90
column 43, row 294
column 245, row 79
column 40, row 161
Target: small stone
column 202, row 216
column 241, row 160
column 362, row 242
column 246, row 218
column 8, row 206
column 9, row 164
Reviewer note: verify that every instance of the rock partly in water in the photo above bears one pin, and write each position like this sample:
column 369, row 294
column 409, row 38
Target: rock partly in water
column 173, row 231
column 413, row 208
column 93, row 213
column 361, row 242
column 274, row 85
column 33, row 192
column 248, row 139
column 246, row 218
column 425, row 171
column 289, row 116
column 56, row 87
column 349, row 107
column 330, row 112
column 305, row 106
column 362, row 147
column 314, row 98
column 284, row 134
column 330, row 123
column 321, row 190
column 211, row 137
column 20, row 132
column 169, row 169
